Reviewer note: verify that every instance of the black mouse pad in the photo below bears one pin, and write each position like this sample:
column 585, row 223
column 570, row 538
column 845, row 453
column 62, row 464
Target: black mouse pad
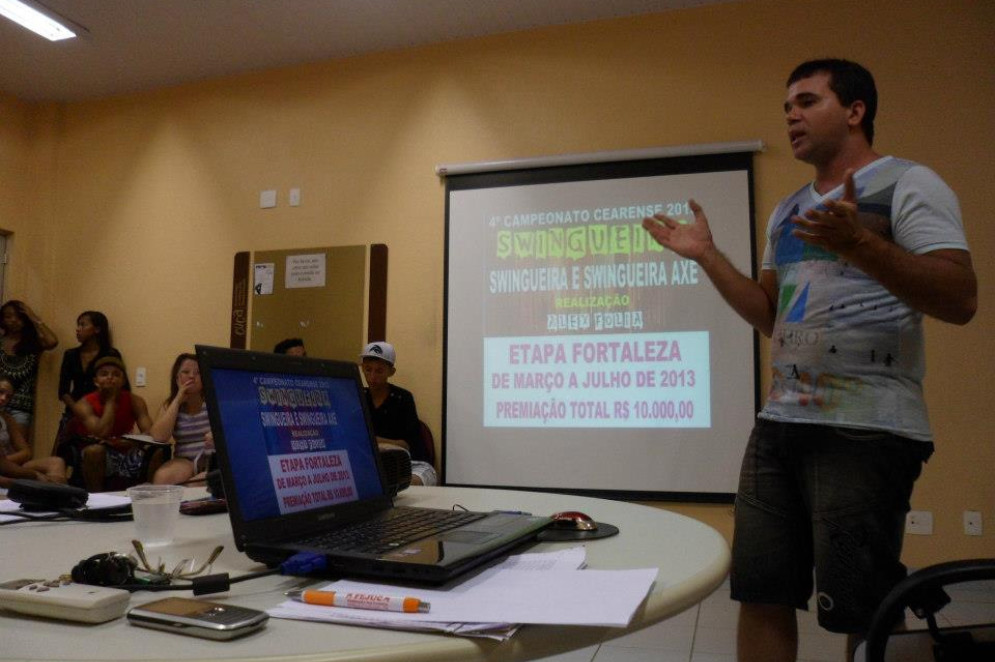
column 559, row 535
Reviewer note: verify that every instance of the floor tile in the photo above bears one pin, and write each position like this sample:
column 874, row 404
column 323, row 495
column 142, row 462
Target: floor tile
column 712, row 657
column 808, row 622
column 580, row 655
column 821, row 647
column 720, row 641
column 707, row 633
column 718, row 611
column 673, row 634
column 615, row 654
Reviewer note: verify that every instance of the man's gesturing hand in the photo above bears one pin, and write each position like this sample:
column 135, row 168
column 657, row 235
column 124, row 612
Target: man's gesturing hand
column 834, row 224
column 690, row 240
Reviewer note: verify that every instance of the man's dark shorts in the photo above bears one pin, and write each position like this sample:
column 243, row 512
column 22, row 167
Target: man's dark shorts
column 830, row 498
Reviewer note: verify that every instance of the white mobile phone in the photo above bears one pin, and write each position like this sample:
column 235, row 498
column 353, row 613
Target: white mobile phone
column 198, row 618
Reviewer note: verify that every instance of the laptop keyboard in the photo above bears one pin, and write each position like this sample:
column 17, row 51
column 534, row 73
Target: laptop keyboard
column 398, row 527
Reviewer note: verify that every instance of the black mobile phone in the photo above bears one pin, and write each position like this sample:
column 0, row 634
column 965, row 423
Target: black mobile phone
column 204, row 506
column 198, row 618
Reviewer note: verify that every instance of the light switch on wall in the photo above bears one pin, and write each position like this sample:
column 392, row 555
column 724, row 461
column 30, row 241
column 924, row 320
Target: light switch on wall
column 140, row 376
column 295, row 197
column 919, row 522
column 267, row 198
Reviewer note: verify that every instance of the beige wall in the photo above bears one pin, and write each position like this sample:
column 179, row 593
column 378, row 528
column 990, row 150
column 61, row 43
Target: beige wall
column 136, row 205
column 25, row 151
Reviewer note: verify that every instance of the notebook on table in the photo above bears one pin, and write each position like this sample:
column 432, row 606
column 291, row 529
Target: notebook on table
column 301, row 472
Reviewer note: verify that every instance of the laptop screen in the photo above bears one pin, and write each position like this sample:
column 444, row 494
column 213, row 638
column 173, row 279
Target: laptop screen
column 295, row 442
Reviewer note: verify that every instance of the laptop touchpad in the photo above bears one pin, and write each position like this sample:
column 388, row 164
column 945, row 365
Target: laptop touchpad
column 466, row 536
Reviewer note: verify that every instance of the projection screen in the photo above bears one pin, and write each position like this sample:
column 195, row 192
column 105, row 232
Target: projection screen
column 581, row 356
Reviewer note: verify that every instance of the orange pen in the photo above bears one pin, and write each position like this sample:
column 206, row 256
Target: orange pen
column 374, row 601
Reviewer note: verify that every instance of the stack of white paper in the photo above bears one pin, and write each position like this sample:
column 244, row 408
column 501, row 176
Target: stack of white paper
column 546, row 588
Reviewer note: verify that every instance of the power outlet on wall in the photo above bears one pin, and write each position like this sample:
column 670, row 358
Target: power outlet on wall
column 972, row 523
column 919, row 523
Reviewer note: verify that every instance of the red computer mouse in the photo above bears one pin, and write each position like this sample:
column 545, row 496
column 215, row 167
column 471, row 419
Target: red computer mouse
column 573, row 520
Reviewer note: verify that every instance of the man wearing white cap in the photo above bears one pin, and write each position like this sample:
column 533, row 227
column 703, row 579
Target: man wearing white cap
column 392, row 408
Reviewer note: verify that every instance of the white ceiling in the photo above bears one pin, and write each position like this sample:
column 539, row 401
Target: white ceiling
column 134, row 45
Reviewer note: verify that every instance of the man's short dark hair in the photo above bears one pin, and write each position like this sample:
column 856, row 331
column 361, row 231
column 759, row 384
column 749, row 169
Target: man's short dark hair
column 849, row 81
column 284, row 346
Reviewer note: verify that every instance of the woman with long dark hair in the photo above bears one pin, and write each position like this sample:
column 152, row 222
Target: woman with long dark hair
column 93, row 332
column 25, row 337
column 183, row 418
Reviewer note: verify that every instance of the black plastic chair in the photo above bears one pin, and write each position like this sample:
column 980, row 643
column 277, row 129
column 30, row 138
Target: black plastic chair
column 428, row 441
column 923, row 593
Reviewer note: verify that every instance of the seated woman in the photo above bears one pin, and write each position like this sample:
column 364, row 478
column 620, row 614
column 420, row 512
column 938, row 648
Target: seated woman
column 392, row 408
column 107, row 414
column 183, row 417
column 15, row 449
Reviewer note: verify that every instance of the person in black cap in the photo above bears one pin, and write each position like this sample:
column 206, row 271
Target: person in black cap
column 392, row 408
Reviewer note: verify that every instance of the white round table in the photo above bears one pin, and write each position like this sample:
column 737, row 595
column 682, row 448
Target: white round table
column 692, row 559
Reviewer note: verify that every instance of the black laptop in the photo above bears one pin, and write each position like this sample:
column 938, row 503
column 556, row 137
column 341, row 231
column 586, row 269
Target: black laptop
column 301, row 472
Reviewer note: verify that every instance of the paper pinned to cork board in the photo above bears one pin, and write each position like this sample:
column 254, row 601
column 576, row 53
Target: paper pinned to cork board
column 305, row 271
column 263, row 278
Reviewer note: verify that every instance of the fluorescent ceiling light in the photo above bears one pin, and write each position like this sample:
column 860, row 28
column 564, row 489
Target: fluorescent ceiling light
column 34, row 20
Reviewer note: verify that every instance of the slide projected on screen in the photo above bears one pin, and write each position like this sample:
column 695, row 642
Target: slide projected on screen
column 573, row 335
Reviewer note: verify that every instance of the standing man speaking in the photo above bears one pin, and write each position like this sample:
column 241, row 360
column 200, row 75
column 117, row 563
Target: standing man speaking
column 853, row 261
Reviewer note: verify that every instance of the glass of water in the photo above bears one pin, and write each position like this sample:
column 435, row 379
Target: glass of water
column 155, row 509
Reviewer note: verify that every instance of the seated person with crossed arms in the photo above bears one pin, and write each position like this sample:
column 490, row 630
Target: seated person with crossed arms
column 107, row 414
